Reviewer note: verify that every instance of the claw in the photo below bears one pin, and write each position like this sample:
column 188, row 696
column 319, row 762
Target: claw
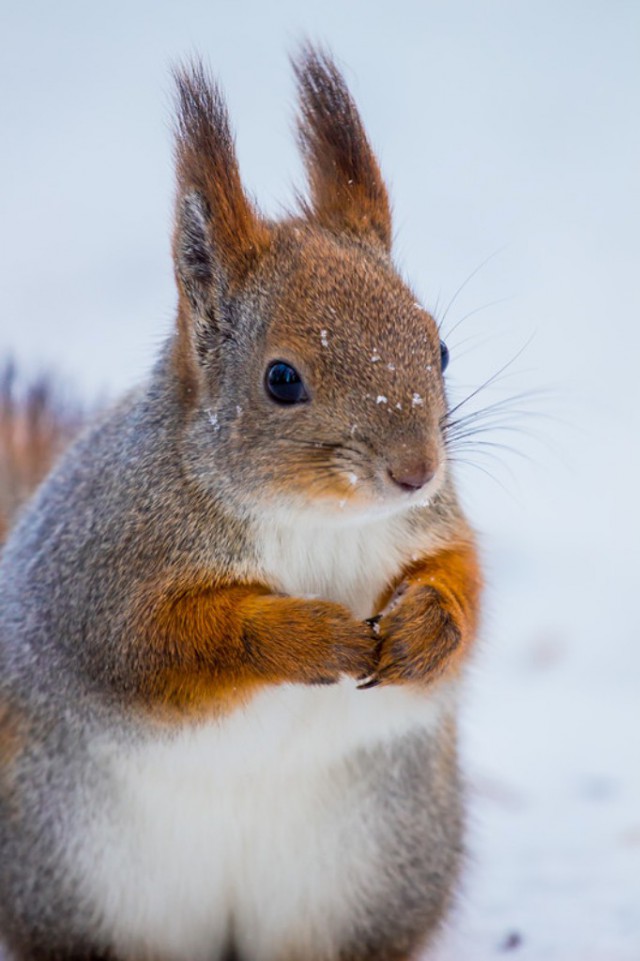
column 373, row 682
column 374, row 623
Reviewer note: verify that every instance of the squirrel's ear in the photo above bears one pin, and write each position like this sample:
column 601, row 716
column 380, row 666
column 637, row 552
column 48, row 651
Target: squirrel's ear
column 347, row 189
column 219, row 236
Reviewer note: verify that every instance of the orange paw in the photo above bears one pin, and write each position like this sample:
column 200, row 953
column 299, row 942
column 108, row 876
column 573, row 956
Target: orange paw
column 418, row 638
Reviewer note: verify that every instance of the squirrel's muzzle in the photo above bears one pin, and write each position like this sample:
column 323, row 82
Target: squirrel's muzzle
column 412, row 475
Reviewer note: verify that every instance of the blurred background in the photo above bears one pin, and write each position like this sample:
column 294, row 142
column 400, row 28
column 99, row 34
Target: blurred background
column 509, row 135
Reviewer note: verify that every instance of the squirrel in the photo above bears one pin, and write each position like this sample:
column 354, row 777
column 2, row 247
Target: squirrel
column 234, row 617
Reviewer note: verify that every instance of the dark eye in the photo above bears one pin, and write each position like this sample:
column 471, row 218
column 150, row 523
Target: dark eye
column 444, row 356
column 284, row 384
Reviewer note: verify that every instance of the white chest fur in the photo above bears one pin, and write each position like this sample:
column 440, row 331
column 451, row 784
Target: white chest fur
column 306, row 554
column 251, row 825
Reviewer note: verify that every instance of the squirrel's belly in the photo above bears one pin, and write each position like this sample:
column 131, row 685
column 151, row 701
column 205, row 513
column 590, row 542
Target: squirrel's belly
column 253, row 827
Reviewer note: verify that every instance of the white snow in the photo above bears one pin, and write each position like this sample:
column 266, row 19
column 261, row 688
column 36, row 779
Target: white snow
column 324, row 338
column 381, row 399
column 551, row 746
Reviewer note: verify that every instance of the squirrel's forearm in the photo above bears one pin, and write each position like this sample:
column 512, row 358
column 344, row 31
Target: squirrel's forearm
column 427, row 630
column 454, row 573
column 211, row 646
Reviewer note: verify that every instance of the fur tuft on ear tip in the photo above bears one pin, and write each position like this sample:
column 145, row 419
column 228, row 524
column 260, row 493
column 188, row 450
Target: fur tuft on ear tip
column 201, row 119
column 218, row 231
column 348, row 193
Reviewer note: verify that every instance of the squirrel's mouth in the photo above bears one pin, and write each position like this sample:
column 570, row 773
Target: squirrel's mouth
column 344, row 488
column 399, row 483
column 352, row 499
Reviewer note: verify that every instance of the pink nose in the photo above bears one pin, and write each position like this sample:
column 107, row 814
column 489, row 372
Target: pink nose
column 411, row 477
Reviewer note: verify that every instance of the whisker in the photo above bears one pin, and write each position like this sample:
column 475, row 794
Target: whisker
column 487, row 455
column 494, row 415
column 502, row 405
column 476, row 310
column 476, row 466
column 487, row 447
column 491, row 380
column 480, row 425
column 469, row 278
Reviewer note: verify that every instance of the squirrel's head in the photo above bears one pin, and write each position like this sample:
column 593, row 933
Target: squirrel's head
column 309, row 374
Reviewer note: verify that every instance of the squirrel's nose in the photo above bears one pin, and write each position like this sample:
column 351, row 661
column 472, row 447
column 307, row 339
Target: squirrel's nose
column 412, row 476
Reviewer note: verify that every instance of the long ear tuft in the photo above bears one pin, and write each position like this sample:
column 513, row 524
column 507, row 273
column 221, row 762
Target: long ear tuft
column 219, row 234
column 347, row 189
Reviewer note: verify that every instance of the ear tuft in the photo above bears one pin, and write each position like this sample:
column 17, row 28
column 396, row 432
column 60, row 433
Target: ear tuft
column 347, row 189
column 219, row 234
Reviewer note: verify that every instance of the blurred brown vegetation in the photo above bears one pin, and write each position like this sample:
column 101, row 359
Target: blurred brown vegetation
column 36, row 423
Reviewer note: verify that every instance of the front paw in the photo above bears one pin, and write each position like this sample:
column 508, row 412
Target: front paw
column 417, row 638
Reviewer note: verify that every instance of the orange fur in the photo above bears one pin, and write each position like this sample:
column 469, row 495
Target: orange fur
column 14, row 738
column 432, row 617
column 212, row 646
column 207, row 165
column 347, row 190
column 12, row 733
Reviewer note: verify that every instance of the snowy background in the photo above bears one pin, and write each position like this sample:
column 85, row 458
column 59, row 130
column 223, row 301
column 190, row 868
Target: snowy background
column 508, row 133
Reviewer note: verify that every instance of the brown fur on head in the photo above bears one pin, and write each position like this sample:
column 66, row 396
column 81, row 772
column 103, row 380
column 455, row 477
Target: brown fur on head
column 317, row 291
